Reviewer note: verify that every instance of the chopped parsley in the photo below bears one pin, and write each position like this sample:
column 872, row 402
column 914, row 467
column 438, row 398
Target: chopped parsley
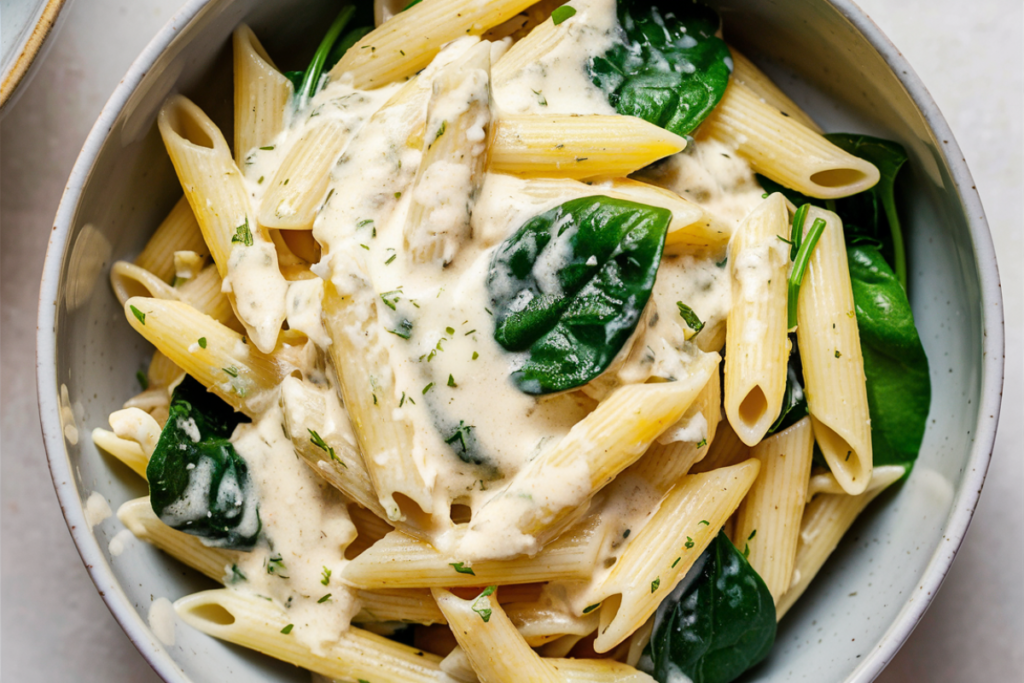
column 690, row 318
column 139, row 315
column 275, row 565
column 231, row 370
column 451, row 381
column 562, row 13
column 461, row 568
column 838, row 355
column 626, row 533
column 404, row 329
column 317, row 441
column 676, row 562
column 268, row 148
column 689, row 543
column 655, row 584
column 450, row 331
column 427, row 388
column 484, row 612
column 326, row 573
column 323, row 599
column 704, row 522
column 236, row 574
column 202, row 342
column 287, row 629
column 243, row 235
column 475, row 355
column 541, row 100
column 702, row 443
column 752, row 534
column 459, row 436
column 591, row 608
column 391, row 298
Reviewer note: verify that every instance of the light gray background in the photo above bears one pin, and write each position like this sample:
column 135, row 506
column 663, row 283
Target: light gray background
column 56, row 628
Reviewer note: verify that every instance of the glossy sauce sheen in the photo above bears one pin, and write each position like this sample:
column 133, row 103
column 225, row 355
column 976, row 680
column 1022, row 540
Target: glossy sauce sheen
column 451, row 366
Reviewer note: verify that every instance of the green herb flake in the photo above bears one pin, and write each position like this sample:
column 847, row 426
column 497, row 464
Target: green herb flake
column 260, row 181
column 451, row 381
column 704, row 522
column 676, row 562
column 236, row 574
column 323, row 599
column 202, row 342
column 484, row 612
column 450, row 331
column 562, row 13
column 139, row 315
column 231, row 370
column 363, row 223
column 590, row 608
column 475, row 355
column 838, row 355
column 803, row 257
column 541, row 100
column 243, row 235
column 317, row 441
column 143, row 381
column 626, row 533
column 702, row 443
column 287, row 629
column 690, row 318
column 689, row 543
column 461, row 568
column 326, row 573
column 391, row 298
column 268, row 148
column 398, row 195
column 460, row 436
column 655, row 584
column 404, row 329
column 752, row 534
column 275, row 565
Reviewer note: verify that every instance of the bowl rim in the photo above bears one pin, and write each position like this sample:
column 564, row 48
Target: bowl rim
column 956, row 523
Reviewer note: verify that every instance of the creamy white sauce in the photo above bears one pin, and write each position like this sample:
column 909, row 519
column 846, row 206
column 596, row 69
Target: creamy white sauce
column 161, row 620
column 97, row 509
column 119, row 541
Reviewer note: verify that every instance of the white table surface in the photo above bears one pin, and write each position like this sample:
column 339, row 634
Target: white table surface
column 56, row 628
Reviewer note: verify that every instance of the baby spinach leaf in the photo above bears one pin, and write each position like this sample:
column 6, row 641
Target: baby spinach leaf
column 794, row 401
column 306, row 82
column 899, row 387
column 197, row 481
column 569, row 287
column 668, row 68
column 716, row 627
column 862, row 210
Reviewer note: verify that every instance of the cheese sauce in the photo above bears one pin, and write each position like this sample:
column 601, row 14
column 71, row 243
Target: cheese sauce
column 450, row 376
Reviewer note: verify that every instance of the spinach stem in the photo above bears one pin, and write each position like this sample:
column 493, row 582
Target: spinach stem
column 899, row 255
column 316, row 67
column 803, row 257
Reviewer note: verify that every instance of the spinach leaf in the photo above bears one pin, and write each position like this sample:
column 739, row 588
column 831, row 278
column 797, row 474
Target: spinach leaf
column 716, row 627
column 862, row 210
column 197, row 482
column 669, row 68
column 569, row 287
column 899, row 387
column 794, row 401
column 307, row 82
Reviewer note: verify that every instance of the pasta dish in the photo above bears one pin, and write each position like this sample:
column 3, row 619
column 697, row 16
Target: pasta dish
column 515, row 341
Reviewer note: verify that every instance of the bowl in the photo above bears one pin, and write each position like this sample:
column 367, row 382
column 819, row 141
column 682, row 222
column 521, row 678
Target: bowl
column 827, row 55
column 27, row 28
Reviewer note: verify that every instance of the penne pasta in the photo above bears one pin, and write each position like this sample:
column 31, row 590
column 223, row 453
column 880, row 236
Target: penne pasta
column 833, row 365
column 262, row 94
column 565, row 146
column 757, row 343
column 217, row 194
column 178, row 232
column 768, row 521
column 784, row 150
column 747, row 74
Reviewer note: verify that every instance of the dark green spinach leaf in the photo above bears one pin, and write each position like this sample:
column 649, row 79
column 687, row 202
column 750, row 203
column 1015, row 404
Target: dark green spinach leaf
column 569, row 287
column 197, row 481
column 307, row 82
column 669, row 68
column 794, row 401
column 899, row 387
column 717, row 626
column 862, row 211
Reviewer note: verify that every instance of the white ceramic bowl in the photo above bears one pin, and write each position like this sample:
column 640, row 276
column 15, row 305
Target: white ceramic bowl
column 26, row 33
column 827, row 54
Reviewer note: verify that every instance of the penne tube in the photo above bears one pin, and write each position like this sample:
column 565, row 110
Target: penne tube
column 386, row 442
column 322, row 435
column 528, row 50
column 566, row 146
column 178, row 232
column 130, row 280
column 127, row 451
column 455, row 154
column 768, row 521
column 409, row 41
column 401, row 561
column 822, row 482
column 297, row 189
column 370, row 526
column 263, row 626
column 653, row 562
column 212, row 353
column 140, row 519
column 458, row 666
column 415, row 605
column 498, row 652
column 596, row 449
column 746, row 73
column 217, row 194
column 162, row 372
column 825, row 522
column 262, row 94
column 206, row 294
column 833, row 365
column 785, row 151
column 757, row 341
column 692, row 228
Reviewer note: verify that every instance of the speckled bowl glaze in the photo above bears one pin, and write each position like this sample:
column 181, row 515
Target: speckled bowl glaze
column 831, row 59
